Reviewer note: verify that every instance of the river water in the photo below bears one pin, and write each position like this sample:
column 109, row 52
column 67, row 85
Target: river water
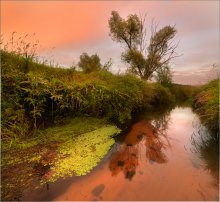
column 165, row 156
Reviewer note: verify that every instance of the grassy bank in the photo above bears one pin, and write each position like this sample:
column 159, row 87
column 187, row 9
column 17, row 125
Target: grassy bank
column 35, row 95
column 206, row 104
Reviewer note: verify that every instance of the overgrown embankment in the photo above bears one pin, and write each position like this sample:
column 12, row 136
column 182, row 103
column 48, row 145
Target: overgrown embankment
column 206, row 104
column 35, row 95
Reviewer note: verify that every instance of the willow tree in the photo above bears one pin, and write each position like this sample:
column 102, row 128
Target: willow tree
column 164, row 76
column 143, row 59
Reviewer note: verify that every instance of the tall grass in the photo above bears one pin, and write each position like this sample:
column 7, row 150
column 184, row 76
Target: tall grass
column 206, row 104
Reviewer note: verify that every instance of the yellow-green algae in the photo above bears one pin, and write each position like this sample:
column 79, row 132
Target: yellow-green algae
column 63, row 131
column 75, row 147
column 81, row 154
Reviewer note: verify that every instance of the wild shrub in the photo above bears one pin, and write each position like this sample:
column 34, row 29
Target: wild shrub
column 162, row 95
column 206, row 104
column 13, row 118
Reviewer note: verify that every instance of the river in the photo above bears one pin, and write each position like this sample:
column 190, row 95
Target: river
column 163, row 156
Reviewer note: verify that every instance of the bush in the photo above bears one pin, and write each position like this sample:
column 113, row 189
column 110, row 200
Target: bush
column 162, row 95
column 13, row 119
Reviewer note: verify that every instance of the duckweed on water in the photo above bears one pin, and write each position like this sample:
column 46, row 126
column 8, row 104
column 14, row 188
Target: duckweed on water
column 60, row 133
column 74, row 147
column 81, row 154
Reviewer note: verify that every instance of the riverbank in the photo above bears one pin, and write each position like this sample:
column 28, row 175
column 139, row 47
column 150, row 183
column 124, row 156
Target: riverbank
column 206, row 104
column 39, row 95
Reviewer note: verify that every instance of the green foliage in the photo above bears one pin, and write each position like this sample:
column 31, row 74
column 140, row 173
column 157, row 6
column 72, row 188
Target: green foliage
column 46, row 94
column 162, row 95
column 159, row 41
column 125, row 31
column 183, row 92
column 160, row 50
column 92, row 63
column 136, row 61
column 164, row 76
column 34, row 98
column 14, row 121
column 206, row 103
column 89, row 63
column 132, row 33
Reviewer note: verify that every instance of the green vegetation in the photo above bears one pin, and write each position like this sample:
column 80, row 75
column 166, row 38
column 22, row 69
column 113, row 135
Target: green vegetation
column 81, row 154
column 164, row 76
column 89, row 63
column 46, row 95
column 183, row 93
column 73, row 147
column 132, row 34
column 206, row 104
column 92, row 63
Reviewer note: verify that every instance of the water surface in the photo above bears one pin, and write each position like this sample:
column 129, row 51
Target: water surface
column 159, row 158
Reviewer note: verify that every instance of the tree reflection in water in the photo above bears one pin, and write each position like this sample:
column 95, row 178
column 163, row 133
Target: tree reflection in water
column 150, row 134
column 206, row 144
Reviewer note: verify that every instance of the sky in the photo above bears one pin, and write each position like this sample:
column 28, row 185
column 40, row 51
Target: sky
column 66, row 29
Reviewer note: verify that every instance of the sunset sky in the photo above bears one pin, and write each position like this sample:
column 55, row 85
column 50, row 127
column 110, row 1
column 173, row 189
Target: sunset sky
column 66, row 29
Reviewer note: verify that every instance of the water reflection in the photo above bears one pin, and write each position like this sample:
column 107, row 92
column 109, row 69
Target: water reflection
column 145, row 135
column 206, row 144
column 142, row 167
